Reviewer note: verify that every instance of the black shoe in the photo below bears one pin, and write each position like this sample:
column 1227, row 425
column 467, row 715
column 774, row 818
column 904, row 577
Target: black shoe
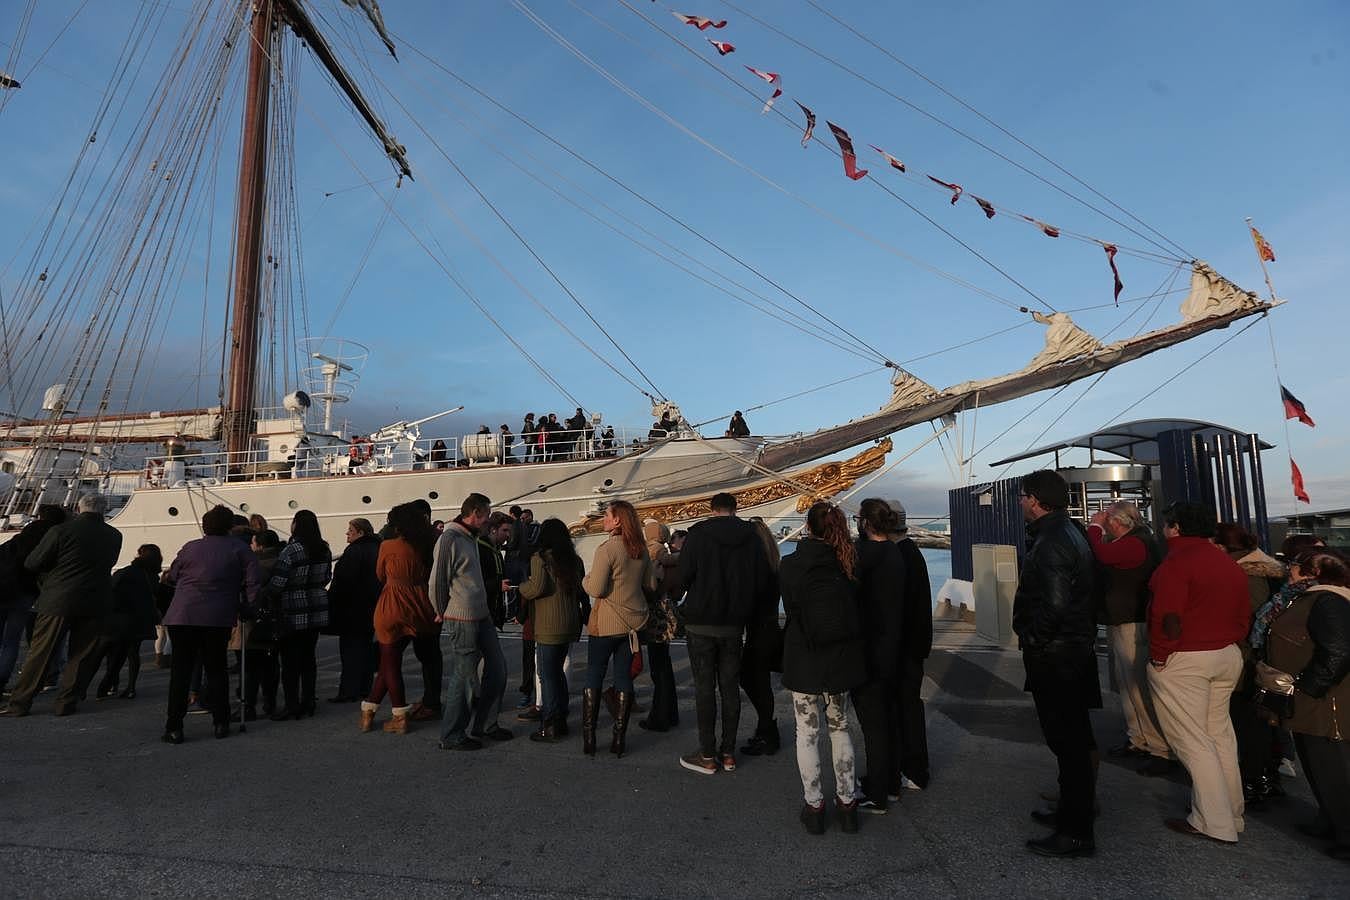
column 222, row 731
column 128, row 694
column 495, row 733
column 172, row 737
column 873, row 807
column 1049, row 817
column 647, row 725
column 105, row 691
column 1062, row 845
column 846, row 814
column 753, row 747
column 1128, row 751
column 467, row 743
column 813, row 818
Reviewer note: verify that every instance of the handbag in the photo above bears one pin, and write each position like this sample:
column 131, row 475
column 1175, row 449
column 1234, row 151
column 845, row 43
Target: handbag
column 1274, row 691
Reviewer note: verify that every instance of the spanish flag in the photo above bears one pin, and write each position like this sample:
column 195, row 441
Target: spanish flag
column 1262, row 248
column 1294, row 408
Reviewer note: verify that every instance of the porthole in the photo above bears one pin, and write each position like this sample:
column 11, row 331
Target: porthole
column 291, row 504
column 365, row 499
column 609, row 482
column 243, row 507
column 543, row 488
column 173, row 510
column 434, row 495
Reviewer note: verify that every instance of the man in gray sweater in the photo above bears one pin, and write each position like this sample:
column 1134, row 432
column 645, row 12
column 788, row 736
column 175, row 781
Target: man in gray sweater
column 459, row 599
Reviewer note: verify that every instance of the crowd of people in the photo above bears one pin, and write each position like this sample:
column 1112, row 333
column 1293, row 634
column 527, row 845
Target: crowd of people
column 1224, row 657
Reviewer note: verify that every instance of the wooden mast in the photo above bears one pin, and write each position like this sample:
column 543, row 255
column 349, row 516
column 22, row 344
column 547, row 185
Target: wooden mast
column 240, row 400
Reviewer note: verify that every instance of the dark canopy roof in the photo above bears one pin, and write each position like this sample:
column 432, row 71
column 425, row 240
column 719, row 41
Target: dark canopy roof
column 1135, row 441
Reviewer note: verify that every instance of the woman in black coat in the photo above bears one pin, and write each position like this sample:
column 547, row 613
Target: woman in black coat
column 881, row 594
column 351, row 610
column 132, row 620
column 824, row 657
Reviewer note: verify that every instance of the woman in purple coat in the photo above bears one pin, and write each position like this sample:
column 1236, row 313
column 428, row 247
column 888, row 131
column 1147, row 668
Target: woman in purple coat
column 211, row 578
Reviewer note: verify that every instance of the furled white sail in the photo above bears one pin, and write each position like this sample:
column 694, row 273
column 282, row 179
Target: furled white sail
column 1213, row 295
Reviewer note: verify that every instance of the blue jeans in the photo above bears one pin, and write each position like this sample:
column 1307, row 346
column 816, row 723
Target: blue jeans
column 470, row 643
column 552, row 681
column 12, row 624
column 599, row 651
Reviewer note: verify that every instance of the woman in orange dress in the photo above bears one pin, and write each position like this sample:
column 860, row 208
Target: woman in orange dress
column 402, row 612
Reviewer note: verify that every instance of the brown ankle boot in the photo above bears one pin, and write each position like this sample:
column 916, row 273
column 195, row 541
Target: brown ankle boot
column 368, row 717
column 398, row 722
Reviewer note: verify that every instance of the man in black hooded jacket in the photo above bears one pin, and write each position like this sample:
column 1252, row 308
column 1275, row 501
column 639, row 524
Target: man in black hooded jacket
column 726, row 575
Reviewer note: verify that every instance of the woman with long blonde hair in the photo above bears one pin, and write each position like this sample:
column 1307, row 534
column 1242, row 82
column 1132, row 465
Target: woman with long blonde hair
column 619, row 579
column 824, row 657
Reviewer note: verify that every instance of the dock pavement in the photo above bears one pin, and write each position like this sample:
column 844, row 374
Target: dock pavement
column 94, row 805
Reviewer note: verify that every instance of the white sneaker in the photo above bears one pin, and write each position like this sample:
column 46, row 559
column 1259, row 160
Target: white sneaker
column 1287, row 768
column 908, row 785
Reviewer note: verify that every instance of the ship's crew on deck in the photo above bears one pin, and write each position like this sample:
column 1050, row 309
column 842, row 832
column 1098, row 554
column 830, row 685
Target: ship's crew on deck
column 211, row 578
column 824, row 657
column 620, row 578
column 527, row 437
column 916, row 641
column 403, row 612
column 297, row 591
column 459, row 599
column 1199, row 614
column 440, row 455
column 726, row 579
column 763, row 653
column 1129, row 552
column 607, row 442
column 1056, row 628
column 557, row 444
column 578, row 438
column 20, row 586
column 738, row 427
column 553, row 595
column 1310, row 640
column 73, row 562
column 351, row 610
column 507, row 439
column 131, row 620
column 881, row 595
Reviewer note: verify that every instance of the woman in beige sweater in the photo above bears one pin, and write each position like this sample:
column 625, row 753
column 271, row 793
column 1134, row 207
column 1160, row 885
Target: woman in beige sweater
column 619, row 579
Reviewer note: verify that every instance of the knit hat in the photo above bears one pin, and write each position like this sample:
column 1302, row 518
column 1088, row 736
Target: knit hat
column 899, row 509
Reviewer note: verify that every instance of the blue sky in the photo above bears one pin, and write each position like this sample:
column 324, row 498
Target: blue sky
column 1191, row 116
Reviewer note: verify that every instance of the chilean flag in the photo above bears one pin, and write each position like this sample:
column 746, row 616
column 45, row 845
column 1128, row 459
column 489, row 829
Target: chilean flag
column 1294, row 408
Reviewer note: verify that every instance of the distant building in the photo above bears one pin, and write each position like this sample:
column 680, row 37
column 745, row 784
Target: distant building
column 1332, row 526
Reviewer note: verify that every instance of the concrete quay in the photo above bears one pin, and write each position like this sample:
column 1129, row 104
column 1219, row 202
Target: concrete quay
column 93, row 805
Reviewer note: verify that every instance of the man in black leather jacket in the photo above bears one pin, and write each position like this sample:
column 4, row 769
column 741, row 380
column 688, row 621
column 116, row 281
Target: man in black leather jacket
column 1056, row 626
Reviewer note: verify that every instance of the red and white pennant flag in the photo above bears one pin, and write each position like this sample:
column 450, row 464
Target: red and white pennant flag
column 810, row 124
column 699, row 22
column 723, row 48
column 772, row 78
column 956, row 189
column 891, row 160
column 846, row 150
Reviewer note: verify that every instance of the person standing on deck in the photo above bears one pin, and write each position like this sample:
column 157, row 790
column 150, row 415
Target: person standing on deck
column 738, row 427
column 1056, row 628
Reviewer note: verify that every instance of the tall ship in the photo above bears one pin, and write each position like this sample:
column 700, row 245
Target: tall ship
column 119, row 256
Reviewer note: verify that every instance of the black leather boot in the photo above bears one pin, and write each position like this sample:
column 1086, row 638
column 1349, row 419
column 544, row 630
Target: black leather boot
column 625, row 701
column 589, row 699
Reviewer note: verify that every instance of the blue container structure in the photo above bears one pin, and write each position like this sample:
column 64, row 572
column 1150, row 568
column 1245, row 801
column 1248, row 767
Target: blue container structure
column 1186, row 460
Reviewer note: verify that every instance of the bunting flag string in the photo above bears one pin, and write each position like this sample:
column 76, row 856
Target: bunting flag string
column 846, row 150
column 890, row 160
column 1296, row 479
column 1111, row 251
column 699, row 22
column 1049, row 230
column 810, row 124
column 1263, row 248
column 954, row 188
column 723, row 48
column 772, row 78
column 1294, row 408
column 985, row 205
